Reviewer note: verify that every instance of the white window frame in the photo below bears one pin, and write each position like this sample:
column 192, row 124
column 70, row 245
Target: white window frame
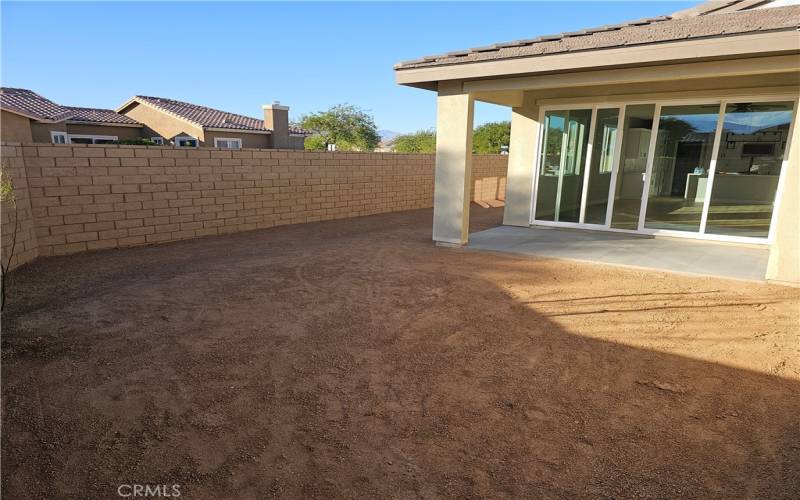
column 217, row 140
column 186, row 138
column 63, row 135
column 94, row 138
column 621, row 104
column 158, row 140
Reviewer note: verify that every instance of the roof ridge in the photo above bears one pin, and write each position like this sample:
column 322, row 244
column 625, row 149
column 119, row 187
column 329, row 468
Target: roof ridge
column 154, row 100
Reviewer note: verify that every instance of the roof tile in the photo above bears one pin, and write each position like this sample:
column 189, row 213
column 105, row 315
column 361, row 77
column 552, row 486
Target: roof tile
column 40, row 108
column 204, row 116
column 638, row 32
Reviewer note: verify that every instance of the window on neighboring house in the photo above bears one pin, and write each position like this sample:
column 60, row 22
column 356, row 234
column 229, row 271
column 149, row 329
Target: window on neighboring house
column 91, row 139
column 157, row 140
column 186, row 142
column 224, row 143
column 58, row 137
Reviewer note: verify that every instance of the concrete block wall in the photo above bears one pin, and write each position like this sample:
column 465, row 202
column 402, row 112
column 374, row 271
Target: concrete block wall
column 89, row 197
column 17, row 216
column 489, row 177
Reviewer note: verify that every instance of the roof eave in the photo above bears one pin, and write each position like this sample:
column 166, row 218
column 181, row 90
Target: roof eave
column 104, row 124
column 693, row 50
column 240, row 130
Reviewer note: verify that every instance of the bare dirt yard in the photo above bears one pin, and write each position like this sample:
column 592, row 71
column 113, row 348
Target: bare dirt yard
column 355, row 359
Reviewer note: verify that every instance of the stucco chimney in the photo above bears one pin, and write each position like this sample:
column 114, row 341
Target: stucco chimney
column 276, row 118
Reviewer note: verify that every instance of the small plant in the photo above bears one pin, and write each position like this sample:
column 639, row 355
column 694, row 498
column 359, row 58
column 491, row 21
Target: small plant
column 9, row 198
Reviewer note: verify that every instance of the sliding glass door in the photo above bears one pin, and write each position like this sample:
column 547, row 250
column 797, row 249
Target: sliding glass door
column 604, row 144
column 708, row 169
column 561, row 172
column 749, row 163
column 629, row 183
column 679, row 174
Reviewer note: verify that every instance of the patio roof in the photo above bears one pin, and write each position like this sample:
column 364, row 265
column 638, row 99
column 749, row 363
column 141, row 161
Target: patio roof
column 710, row 20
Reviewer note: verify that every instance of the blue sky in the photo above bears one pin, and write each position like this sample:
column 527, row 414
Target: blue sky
column 238, row 56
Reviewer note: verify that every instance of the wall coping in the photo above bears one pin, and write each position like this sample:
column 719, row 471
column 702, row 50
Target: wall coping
column 327, row 154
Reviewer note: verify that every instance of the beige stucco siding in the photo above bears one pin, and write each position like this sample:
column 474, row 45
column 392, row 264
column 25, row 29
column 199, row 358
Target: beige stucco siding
column 121, row 133
column 161, row 123
column 41, row 131
column 297, row 142
column 15, row 128
column 256, row 141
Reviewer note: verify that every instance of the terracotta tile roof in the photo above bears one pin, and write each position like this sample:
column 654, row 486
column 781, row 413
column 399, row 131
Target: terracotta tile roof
column 208, row 117
column 99, row 116
column 713, row 19
column 31, row 104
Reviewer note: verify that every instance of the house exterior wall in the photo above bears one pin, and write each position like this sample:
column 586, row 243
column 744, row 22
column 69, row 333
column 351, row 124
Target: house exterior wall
column 252, row 141
column 297, row 142
column 522, row 163
column 86, row 197
column 162, row 124
column 784, row 256
column 121, row 132
column 785, row 251
column 41, row 131
column 15, row 128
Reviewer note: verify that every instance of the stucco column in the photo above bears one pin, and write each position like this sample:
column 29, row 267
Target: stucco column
column 521, row 163
column 784, row 254
column 454, row 115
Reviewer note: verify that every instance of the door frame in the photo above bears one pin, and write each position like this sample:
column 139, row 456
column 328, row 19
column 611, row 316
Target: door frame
column 621, row 104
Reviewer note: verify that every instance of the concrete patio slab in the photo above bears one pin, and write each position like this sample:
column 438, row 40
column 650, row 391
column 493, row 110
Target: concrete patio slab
column 664, row 254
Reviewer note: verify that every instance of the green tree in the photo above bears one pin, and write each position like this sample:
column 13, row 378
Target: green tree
column 423, row 141
column 490, row 137
column 348, row 127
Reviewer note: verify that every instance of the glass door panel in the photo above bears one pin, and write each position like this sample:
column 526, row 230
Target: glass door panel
column 632, row 165
column 550, row 165
column 560, row 183
column 679, row 175
column 603, row 144
column 749, row 163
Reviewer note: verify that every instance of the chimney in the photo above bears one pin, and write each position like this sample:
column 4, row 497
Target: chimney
column 276, row 118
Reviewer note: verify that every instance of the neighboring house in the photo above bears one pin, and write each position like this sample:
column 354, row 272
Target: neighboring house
column 681, row 125
column 29, row 117
column 191, row 125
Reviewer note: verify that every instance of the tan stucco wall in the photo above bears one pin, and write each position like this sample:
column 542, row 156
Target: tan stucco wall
column 120, row 132
column 15, row 128
column 162, row 124
column 784, row 255
column 521, row 157
column 256, row 141
column 454, row 121
column 41, row 131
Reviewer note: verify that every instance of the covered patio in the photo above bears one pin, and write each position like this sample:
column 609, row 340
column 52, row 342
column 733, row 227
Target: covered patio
column 680, row 126
column 682, row 256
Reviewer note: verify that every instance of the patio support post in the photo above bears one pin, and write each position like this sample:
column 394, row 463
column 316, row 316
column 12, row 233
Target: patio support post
column 521, row 163
column 784, row 254
column 453, row 164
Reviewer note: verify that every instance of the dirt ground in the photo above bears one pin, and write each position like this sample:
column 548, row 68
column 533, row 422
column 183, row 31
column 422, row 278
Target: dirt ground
column 355, row 359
